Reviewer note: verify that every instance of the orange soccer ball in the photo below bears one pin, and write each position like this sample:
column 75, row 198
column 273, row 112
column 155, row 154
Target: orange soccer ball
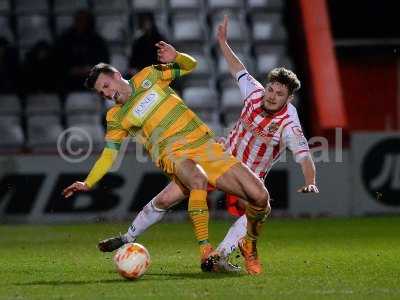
column 132, row 260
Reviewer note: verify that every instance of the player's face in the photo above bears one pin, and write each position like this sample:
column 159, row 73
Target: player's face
column 276, row 96
column 111, row 86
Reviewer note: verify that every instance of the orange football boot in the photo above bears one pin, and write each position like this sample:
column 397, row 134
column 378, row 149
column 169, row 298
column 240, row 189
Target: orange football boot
column 205, row 251
column 249, row 252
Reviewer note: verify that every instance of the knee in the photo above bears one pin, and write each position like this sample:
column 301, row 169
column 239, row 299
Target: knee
column 162, row 202
column 268, row 210
column 198, row 182
column 261, row 199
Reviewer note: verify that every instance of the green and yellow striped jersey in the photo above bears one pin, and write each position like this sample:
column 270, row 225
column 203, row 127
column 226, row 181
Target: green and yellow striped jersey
column 155, row 114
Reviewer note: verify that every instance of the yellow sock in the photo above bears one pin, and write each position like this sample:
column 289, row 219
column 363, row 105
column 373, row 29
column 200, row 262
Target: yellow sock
column 255, row 218
column 198, row 212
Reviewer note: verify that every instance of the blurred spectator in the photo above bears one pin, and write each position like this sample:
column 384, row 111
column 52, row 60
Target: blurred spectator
column 38, row 69
column 8, row 66
column 144, row 53
column 78, row 49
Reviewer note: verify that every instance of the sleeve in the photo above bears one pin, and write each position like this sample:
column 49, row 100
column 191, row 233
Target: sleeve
column 247, row 83
column 183, row 65
column 113, row 139
column 101, row 167
column 114, row 135
column 295, row 139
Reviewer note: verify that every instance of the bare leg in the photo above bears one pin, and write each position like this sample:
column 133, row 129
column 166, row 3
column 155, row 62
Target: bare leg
column 240, row 181
column 193, row 177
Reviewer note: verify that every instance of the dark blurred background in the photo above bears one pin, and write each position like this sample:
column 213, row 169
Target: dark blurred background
column 346, row 53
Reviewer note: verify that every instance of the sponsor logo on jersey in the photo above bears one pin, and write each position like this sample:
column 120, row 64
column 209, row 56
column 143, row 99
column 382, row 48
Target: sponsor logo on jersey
column 146, row 104
column 146, row 84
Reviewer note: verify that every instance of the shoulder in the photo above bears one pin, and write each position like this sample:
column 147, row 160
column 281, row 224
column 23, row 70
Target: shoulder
column 292, row 111
column 163, row 67
column 112, row 111
column 142, row 75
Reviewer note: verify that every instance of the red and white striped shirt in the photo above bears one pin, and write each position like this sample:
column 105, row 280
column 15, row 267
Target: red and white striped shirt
column 258, row 139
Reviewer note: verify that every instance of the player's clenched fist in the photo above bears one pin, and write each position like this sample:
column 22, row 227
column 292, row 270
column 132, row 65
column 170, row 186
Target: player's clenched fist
column 77, row 186
column 311, row 188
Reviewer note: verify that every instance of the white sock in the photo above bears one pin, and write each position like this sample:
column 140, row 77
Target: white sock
column 148, row 216
column 235, row 233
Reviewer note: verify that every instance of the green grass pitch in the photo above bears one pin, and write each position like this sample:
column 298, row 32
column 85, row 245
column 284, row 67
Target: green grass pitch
column 303, row 259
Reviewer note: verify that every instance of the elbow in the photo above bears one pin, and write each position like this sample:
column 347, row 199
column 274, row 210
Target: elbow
column 192, row 66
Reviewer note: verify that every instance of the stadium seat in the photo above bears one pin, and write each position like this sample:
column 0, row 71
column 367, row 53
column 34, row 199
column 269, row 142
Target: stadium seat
column 12, row 135
column 31, row 7
column 120, row 61
column 231, row 103
column 147, row 5
column 83, row 119
column 43, row 132
column 42, row 104
column 231, row 98
column 188, row 27
column 224, row 4
column 223, row 69
column 110, row 7
column 5, row 7
column 267, row 58
column 10, row 104
column 63, row 22
column 113, row 28
column 268, row 5
column 205, row 64
column 266, row 62
column 5, row 30
column 200, row 97
column 231, row 116
column 268, row 27
column 32, row 28
column 182, row 5
column 83, row 102
column 96, row 133
column 70, row 6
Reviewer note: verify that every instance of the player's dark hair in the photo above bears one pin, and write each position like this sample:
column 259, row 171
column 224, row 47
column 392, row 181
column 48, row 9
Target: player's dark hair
column 285, row 77
column 95, row 72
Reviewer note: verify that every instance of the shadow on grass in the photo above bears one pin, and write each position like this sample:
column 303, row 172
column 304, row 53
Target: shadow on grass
column 147, row 277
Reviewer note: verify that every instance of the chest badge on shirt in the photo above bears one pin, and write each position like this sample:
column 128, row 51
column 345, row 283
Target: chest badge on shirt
column 297, row 131
column 146, row 84
column 273, row 127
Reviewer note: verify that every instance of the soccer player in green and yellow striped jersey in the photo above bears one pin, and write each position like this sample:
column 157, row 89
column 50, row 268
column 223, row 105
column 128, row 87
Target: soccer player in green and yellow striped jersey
column 177, row 141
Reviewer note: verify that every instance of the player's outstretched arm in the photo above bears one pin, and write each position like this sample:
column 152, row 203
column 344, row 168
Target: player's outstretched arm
column 101, row 167
column 167, row 54
column 77, row 186
column 234, row 63
column 308, row 169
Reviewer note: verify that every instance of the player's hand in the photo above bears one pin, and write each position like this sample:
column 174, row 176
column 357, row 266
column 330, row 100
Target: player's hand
column 311, row 188
column 222, row 30
column 221, row 140
column 166, row 53
column 77, row 186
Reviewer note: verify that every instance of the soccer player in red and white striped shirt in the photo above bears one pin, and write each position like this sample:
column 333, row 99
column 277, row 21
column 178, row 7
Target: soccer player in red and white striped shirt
column 267, row 126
